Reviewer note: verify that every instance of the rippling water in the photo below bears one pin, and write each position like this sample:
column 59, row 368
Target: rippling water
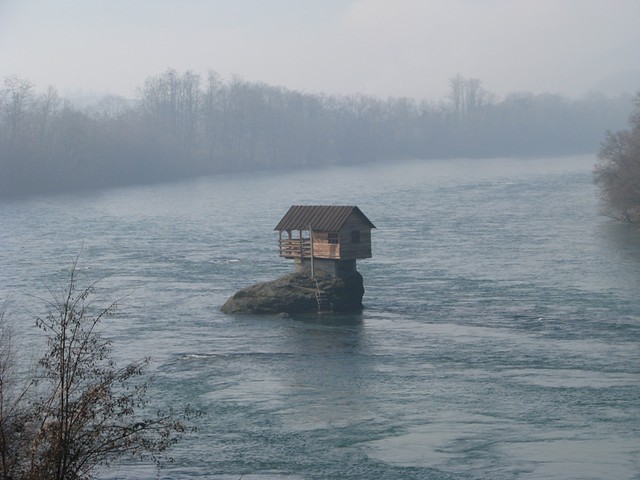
column 500, row 340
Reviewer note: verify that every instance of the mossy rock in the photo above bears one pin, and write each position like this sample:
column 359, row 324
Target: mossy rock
column 296, row 293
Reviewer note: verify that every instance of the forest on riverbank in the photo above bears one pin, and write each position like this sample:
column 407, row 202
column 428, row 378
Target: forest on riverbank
column 182, row 125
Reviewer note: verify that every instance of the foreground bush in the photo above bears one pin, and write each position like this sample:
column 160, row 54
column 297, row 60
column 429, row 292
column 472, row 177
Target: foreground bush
column 77, row 411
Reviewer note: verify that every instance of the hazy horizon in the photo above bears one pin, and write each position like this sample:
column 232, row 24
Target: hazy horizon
column 402, row 48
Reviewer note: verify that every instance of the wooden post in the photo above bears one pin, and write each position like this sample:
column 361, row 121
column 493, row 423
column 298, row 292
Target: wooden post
column 311, row 244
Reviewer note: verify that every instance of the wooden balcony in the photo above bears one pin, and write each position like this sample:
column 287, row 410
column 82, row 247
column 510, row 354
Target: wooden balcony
column 295, row 247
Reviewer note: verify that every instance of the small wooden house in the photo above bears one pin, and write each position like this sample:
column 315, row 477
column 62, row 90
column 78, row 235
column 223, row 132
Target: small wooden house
column 326, row 238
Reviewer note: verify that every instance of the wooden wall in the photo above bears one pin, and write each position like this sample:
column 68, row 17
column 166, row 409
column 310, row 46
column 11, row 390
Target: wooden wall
column 322, row 248
column 355, row 250
column 345, row 249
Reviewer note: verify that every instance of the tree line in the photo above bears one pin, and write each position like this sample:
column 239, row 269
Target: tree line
column 182, row 125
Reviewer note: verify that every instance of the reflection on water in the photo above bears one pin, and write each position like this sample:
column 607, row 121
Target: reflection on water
column 625, row 239
column 621, row 256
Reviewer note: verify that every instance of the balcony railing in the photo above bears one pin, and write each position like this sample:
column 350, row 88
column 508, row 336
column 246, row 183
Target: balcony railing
column 295, row 247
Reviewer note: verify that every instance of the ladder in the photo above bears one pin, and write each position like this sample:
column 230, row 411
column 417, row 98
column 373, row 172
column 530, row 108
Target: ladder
column 324, row 305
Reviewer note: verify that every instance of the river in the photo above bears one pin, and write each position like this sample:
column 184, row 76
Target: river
column 500, row 338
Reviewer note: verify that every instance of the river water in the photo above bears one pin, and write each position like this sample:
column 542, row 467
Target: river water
column 500, row 339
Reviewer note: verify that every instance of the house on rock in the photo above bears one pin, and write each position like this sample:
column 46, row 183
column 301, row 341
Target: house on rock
column 325, row 238
column 324, row 242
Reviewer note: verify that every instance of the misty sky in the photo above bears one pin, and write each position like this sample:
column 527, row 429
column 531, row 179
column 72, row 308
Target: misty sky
column 379, row 47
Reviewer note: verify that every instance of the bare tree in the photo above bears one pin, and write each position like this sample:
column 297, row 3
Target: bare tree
column 457, row 95
column 15, row 99
column 617, row 172
column 13, row 412
column 473, row 95
column 84, row 411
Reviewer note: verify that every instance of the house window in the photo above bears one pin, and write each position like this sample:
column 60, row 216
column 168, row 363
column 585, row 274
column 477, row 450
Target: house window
column 333, row 238
column 355, row 236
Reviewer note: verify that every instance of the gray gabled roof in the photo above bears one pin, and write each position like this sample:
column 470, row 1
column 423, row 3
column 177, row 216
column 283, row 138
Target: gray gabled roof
column 323, row 218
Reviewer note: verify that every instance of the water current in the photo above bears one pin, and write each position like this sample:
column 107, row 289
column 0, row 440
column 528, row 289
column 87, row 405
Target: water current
column 500, row 338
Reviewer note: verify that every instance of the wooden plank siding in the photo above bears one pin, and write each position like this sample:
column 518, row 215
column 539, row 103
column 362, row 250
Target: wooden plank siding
column 350, row 250
column 323, row 249
column 339, row 223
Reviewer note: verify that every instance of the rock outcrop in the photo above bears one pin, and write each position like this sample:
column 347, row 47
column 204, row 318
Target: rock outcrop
column 297, row 293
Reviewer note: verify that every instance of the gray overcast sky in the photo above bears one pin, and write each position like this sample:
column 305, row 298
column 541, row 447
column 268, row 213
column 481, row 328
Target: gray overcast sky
column 379, row 47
